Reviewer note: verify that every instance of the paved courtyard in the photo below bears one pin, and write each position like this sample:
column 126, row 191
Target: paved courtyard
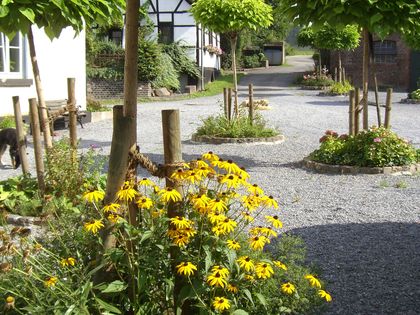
column 362, row 231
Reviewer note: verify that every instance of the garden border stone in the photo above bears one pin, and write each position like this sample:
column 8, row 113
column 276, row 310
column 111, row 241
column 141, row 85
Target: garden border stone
column 314, row 87
column 409, row 101
column 220, row 140
column 347, row 169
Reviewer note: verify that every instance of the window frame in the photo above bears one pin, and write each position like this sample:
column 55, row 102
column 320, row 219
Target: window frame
column 169, row 25
column 385, row 52
column 6, row 72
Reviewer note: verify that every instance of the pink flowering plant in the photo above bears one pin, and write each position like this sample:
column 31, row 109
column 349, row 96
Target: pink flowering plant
column 213, row 50
column 374, row 147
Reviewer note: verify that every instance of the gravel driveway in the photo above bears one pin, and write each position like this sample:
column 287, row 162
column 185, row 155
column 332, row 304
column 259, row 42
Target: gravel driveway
column 361, row 230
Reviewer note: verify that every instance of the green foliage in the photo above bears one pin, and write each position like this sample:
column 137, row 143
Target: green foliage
column 7, row 122
column 340, row 87
column 329, row 37
column 253, row 61
column 96, row 106
column 315, row 80
column 375, row 147
column 167, row 74
column 180, row 59
column 107, row 73
column 306, row 37
column 415, row 95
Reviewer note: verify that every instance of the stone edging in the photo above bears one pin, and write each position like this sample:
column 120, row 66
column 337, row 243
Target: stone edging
column 347, row 169
column 219, row 140
column 409, row 101
column 314, row 87
column 15, row 219
column 332, row 94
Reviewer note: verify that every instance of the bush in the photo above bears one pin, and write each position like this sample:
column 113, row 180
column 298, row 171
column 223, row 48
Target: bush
column 218, row 262
column 180, row 59
column 315, row 80
column 96, row 106
column 7, row 122
column 340, row 88
column 415, row 95
column 375, row 147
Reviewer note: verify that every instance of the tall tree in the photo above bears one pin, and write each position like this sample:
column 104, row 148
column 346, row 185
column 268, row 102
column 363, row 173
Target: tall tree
column 381, row 17
column 230, row 17
column 53, row 16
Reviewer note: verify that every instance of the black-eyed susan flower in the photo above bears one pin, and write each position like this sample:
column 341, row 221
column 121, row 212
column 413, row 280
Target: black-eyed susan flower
column 216, row 217
column 127, row 192
column 193, row 177
column 288, row 288
column 231, row 180
column 268, row 231
column 251, row 202
column 181, row 240
column 270, row 202
column 243, row 174
column 246, row 263
column 94, row 226
column 280, row 265
column 210, row 156
column 249, row 278
column 216, row 280
column 169, row 194
column 258, row 242
column 217, row 205
column 186, row 269
column 179, row 174
column 200, row 201
column 188, row 232
column 232, row 288
column 232, row 244
column 224, row 272
column 181, row 222
column 65, row 262
column 247, row 216
column 10, row 303
column 198, row 163
column 204, row 171
column 144, row 203
column 112, row 207
column 274, row 220
column 221, row 304
column 227, row 225
column 145, row 182
column 50, row 282
column 255, row 189
column 94, row 196
column 314, row 282
column 230, row 167
column 217, row 163
column 114, row 218
column 263, row 270
column 325, row 295
column 218, row 230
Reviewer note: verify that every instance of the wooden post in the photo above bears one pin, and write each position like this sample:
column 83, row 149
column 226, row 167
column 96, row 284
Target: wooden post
column 366, row 51
column 343, row 75
column 36, row 134
column 357, row 111
column 20, row 136
column 378, row 109
column 229, row 104
column 335, row 75
column 388, row 106
column 352, row 113
column 225, row 102
column 71, row 107
column 251, row 104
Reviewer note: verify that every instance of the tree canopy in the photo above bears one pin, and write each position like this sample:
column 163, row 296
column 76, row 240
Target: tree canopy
column 55, row 15
column 329, row 37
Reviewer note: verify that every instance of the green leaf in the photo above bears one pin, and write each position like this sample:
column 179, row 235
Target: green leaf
column 249, row 296
column 115, row 286
column 107, row 307
column 146, row 235
column 240, row 312
column 376, row 18
column 28, row 13
column 3, row 11
column 262, row 299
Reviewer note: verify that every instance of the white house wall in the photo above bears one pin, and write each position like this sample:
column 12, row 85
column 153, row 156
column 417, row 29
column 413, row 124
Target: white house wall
column 57, row 60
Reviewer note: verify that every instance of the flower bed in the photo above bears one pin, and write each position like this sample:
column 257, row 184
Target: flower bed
column 220, row 140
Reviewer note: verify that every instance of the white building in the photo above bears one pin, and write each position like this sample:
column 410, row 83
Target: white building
column 58, row 60
column 174, row 23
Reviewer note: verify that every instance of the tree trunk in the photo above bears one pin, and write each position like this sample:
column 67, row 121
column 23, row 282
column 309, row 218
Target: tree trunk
column 20, row 136
column 340, row 71
column 233, row 41
column 71, row 108
column 365, row 77
column 319, row 63
column 36, row 135
column 39, row 91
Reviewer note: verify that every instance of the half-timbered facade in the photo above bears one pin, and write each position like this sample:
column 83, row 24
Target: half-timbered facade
column 174, row 23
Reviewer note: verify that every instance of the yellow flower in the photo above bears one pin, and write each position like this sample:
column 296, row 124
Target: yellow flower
column 10, row 302
column 274, row 220
column 270, row 202
column 325, row 295
column 255, row 189
column 216, row 280
column 288, row 288
column 181, row 222
column 112, row 207
column 232, row 288
column 65, row 262
column 114, row 218
column 268, row 231
column 216, row 217
column 263, row 270
column 217, row 205
column 230, row 167
column 246, row 263
column 186, row 269
column 94, row 226
column 249, row 278
column 227, row 225
column 198, row 163
column 314, row 282
column 231, row 181
column 179, row 174
column 193, row 176
column 220, row 304
column 50, row 282
column 233, row 244
column 188, row 232
column 181, row 240
column 144, row 203
column 126, row 193
column 224, row 272
column 94, row 195
column 200, row 201
column 251, row 202
column 210, row 156
column 280, row 264
column 243, row 175
column 145, row 182
column 258, row 242
column 170, row 194
column 247, row 216
column 204, row 171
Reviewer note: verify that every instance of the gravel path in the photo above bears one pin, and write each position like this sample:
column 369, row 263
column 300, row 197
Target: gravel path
column 361, row 230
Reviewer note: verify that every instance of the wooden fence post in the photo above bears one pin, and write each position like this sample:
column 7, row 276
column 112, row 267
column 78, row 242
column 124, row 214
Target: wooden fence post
column 229, row 104
column 378, row 109
column 71, row 108
column 357, row 111
column 20, row 136
column 225, row 102
column 352, row 113
column 388, row 107
column 36, row 134
column 335, row 75
column 251, row 104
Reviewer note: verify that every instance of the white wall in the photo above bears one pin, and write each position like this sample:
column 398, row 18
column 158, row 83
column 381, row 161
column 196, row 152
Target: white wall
column 57, row 60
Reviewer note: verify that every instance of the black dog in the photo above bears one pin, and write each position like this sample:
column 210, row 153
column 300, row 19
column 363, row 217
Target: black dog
column 8, row 137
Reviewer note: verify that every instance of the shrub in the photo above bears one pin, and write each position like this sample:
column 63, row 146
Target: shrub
column 312, row 79
column 375, row 147
column 251, row 61
column 180, row 59
column 415, row 95
column 93, row 105
column 7, row 122
column 340, row 88
column 217, row 264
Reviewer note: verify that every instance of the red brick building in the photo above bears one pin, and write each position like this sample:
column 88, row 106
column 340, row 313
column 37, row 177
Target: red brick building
column 395, row 64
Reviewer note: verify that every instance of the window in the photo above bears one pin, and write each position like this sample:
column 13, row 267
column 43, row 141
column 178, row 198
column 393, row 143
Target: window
column 116, row 36
column 210, row 38
column 166, row 32
column 11, row 56
column 385, row 51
